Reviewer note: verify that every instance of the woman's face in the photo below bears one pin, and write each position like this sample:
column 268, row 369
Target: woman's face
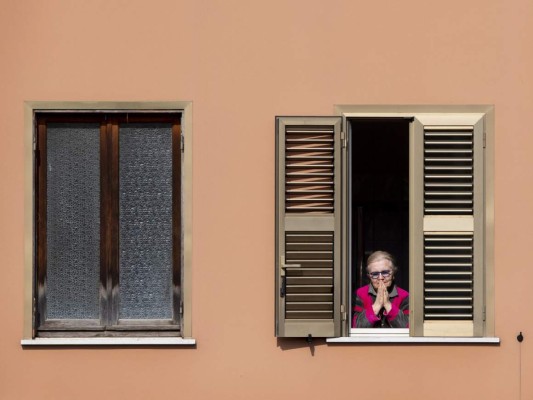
column 383, row 266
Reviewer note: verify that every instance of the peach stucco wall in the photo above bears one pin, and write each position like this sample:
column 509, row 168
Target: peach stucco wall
column 242, row 63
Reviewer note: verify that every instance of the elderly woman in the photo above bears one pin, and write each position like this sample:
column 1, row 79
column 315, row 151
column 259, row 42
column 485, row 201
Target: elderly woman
column 381, row 304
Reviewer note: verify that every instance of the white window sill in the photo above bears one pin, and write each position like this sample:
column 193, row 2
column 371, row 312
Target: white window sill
column 414, row 340
column 110, row 341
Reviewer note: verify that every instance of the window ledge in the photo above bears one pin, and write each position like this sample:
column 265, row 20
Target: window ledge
column 414, row 340
column 110, row 341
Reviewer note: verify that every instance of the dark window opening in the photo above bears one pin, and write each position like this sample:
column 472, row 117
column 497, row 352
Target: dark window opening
column 378, row 194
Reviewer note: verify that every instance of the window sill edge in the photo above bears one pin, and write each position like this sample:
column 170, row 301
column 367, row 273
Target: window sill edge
column 111, row 341
column 414, row 340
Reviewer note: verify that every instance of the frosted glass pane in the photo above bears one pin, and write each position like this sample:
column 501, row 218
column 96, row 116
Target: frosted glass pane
column 145, row 286
column 73, row 221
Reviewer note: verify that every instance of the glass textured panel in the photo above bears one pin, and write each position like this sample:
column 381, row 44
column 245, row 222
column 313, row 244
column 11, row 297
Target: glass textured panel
column 145, row 221
column 73, row 221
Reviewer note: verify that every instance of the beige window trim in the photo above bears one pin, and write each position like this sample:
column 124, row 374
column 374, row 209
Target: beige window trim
column 413, row 340
column 29, row 108
column 116, row 341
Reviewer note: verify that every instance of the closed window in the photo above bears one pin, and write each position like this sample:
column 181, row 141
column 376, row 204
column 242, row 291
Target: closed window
column 108, row 226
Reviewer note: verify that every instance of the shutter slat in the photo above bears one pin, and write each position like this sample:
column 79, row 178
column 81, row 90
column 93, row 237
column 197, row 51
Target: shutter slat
column 308, row 290
column 315, row 139
column 441, row 185
column 299, row 297
column 309, row 173
column 307, row 130
column 449, row 316
column 448, row 306
column 309, row 315
column 315, row 207
column 448, row 193
column 454, row 151
column 445, row 265
column 450, row 210
column 448, row 167
column 457, row 176
column 296, row 191
column 309, row 306
column 308, row 156
column 310, row 146
column 312, row 163
column 310, row 181
column 452, row 246
column 447, row 273
column 448, row 298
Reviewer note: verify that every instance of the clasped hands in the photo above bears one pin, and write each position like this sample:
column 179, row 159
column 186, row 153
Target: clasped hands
column 382, row 299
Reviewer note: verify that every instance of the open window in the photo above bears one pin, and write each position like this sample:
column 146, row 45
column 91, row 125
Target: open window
column 413, row 181
column 377, row 200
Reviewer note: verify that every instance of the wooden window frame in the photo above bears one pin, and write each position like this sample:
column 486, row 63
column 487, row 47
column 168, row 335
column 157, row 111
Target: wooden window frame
column 109, row 323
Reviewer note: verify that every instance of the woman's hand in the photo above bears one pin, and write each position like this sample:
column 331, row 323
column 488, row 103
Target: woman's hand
column 382, row 299
column 378, row 304
column 386, row 302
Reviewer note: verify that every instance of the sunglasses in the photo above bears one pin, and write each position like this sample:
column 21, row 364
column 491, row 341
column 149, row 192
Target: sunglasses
column 384, row 274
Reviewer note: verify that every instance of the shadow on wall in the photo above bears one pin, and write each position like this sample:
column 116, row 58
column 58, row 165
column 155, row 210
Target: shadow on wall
column 298, row 343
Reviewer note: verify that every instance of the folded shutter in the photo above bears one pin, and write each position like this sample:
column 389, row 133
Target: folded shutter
column 308, row 236
column 448, row 223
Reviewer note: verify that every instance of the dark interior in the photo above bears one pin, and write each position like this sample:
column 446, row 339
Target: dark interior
column 379, row 203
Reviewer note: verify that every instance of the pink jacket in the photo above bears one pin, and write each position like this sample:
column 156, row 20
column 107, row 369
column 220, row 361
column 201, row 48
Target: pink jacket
column 364, row 317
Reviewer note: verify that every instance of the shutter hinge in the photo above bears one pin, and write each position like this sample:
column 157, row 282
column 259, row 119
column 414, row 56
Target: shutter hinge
column 344, row 140
column 343, row 312
column 181, row 309
column 182, row 143
column 484, row 314
column 484, row 139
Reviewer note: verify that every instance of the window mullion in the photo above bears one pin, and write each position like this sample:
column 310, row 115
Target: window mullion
column 109, row 222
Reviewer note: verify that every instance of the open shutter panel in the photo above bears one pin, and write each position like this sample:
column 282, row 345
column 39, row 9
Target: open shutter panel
column 452, row 224
column 308, row 226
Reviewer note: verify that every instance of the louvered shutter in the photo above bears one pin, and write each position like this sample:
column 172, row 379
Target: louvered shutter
column 308, row 238
column 449, row 225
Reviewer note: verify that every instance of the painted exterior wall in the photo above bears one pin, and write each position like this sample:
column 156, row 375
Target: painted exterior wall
column 242, row 63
